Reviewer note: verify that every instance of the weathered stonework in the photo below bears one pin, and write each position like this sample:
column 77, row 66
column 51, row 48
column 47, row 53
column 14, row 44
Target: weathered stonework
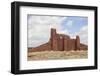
column 60, row 42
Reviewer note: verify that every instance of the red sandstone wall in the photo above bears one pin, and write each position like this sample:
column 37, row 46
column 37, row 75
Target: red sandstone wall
column 83, row 47
column 77, row 43
column 72, row 44
column 65, row 43
column 60, row 42
column 54, row 40
column 69, row 45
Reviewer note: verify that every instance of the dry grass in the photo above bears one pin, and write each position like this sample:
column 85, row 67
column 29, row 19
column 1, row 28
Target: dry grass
column 51, row 55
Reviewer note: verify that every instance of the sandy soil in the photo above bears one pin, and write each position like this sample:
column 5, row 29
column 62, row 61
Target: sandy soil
column 52, row 55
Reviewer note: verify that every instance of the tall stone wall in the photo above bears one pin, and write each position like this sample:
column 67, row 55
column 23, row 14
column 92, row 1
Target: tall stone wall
column 60, row 42
column 73, row 44
column 53, row 40
column 77, row 43
column 65, row 43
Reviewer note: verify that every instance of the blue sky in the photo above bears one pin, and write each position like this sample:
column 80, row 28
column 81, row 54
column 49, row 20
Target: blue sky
column 74, row 23
column 39, row 27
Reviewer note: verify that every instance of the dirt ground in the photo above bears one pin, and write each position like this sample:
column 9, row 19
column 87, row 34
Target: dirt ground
column 52, row 55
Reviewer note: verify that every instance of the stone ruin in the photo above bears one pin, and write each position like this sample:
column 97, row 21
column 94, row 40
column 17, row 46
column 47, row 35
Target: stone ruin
column 60, row 42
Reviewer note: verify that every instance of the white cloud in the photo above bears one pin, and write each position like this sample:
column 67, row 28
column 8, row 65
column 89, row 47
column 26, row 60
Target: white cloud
column 39, row 28
column 83, row 33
